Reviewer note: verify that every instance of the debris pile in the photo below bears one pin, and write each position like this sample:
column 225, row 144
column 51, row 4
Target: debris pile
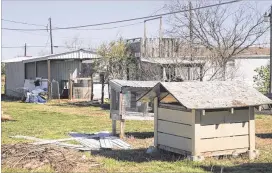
column 33, row 157
column 87, row 142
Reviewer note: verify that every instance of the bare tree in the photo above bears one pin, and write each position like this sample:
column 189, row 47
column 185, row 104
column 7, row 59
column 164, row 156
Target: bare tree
column 218, row 33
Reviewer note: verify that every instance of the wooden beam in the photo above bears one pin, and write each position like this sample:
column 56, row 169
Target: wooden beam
column 260, row 108
column 70, row 87
column 196, row 128
column 203, row 112
column 113, row 127
column 122, row 128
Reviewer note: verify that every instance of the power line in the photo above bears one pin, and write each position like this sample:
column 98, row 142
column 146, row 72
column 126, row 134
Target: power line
column 127, row 20
column 12, row 21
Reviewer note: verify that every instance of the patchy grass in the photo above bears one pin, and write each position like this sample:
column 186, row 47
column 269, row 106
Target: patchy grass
column 54, row 120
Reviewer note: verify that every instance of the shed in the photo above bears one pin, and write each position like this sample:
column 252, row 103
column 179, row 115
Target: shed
column 57, row 66
column 124, row 104
column 202, row 119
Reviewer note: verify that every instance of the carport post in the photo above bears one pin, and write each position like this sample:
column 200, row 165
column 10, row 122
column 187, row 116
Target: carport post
column 49, row 79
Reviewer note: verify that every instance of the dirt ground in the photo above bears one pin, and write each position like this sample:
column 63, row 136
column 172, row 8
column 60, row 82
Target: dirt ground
column 35, row 157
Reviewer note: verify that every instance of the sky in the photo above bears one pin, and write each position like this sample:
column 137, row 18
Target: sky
column 72, row 13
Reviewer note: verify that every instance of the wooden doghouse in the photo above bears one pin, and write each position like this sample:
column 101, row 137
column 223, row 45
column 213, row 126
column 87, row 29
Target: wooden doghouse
column 202, row 119
column 124, row 105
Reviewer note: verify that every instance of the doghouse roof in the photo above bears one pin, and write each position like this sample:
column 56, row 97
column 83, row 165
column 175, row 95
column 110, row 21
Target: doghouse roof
column 209, row 95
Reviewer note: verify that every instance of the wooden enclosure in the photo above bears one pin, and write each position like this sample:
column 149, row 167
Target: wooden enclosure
column 124, row 104
column 201, row 132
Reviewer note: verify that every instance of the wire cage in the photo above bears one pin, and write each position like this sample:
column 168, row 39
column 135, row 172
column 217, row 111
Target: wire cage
column 82, row 89
column 132, row 107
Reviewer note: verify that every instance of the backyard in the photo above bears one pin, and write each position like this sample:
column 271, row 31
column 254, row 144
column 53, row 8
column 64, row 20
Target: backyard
column 54, row 120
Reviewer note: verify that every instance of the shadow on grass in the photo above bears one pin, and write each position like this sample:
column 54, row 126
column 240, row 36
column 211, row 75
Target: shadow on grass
column 244, row 168
column 264, row 135
column 138, row 155
column 140, row 135
column 83, row 104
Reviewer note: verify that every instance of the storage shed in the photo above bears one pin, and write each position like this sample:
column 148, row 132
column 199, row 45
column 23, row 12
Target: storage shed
column 56, row 67
column 202, row 119
column 124, row 104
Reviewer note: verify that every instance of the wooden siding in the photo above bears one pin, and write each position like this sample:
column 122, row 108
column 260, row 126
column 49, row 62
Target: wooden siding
column 15, row 76
column 225, row 143
column 219, row 117
column 175, row 128
column 223, row 130
column 175, row 116
column 174, row 141
column 42, row 69
column 30, row 71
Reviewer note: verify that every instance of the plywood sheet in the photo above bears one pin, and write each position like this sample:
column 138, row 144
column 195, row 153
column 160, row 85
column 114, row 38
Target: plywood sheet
column 175, row 116
column 174, row 141
column 175, row 128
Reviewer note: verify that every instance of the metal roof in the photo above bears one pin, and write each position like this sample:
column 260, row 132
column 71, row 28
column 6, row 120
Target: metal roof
column 132, row 84
column 171, row 61
column 212, row 94
column 76, row 54
column 17, row 59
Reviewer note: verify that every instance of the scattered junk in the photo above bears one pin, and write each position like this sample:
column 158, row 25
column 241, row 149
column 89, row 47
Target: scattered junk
column 34, row 157
column 124, row 104
column 204, row 119
column 87, row 142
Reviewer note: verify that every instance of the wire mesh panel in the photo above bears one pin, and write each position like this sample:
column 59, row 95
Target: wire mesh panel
column 55, row 94
column 132, row 107
column 82, row 89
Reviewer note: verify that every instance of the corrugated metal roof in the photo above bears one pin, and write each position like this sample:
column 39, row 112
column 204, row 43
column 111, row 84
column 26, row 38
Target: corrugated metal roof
column 134, row 84
column 213, row 94
column 171, row 61
column 77, row 54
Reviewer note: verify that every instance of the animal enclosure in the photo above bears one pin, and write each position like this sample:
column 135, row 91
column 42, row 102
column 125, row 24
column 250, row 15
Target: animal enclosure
column 203, row 119
column 124, row 104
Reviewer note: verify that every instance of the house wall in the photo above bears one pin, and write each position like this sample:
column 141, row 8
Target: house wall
column 246, row 66
column 42, row 69
column 15, row 76
column 61, row 69
column 218, row 132
column 223, row 131
column 30, row 72
column 174, row 129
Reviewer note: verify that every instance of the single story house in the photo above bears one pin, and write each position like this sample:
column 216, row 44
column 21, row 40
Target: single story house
column 56, row 67
column 203, row 119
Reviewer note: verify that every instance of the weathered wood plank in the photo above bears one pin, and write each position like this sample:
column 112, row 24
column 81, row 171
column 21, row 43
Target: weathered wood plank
column 175, row 128
column 223, row 130
column 225, row 143
column 156, row 121
column 224, row 152
column 175, row 141
column 175, row 116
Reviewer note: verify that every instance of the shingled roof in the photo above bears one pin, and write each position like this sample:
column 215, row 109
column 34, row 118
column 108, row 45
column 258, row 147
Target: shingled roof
column 211, row 95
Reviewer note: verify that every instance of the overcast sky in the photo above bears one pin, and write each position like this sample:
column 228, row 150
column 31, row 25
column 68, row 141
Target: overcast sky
column 71, row 13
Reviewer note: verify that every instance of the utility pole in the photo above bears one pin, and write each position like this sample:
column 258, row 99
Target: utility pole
column 51, row 39
column 25, row 49
column 191, row 37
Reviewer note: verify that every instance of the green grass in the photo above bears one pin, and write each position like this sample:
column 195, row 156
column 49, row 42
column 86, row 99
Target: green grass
column 55, row 120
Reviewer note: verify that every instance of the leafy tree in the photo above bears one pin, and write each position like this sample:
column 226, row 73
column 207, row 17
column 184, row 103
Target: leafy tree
column 3, row 70
column 262, row 78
